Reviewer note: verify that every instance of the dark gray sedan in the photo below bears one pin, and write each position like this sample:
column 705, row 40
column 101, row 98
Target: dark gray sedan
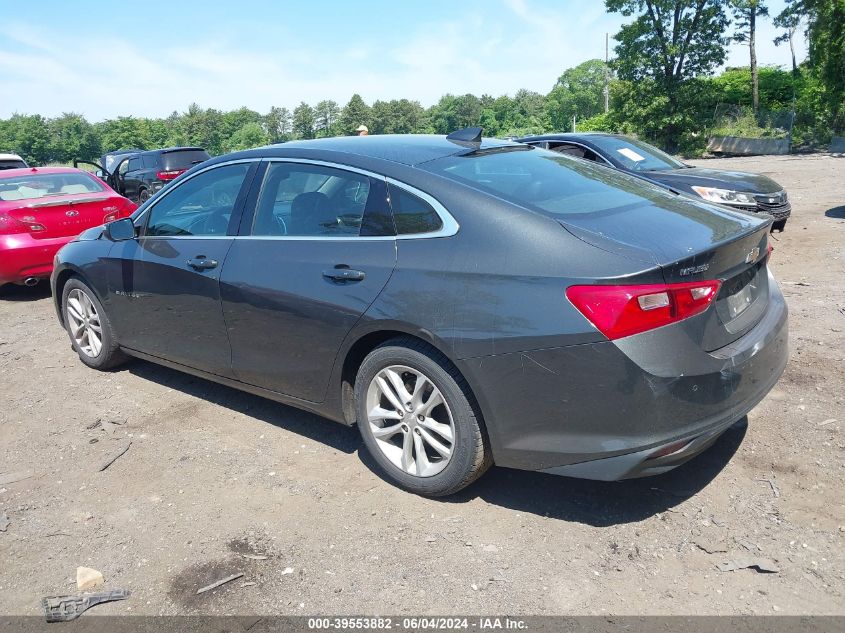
column 464, row 301
column 735, row 189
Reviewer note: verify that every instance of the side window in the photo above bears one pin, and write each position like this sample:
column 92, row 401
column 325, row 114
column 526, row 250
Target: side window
column 202, row 205
column 570, row 150
column 149, row 162
column 134, row 164
column 412, row 214
column 310, row 200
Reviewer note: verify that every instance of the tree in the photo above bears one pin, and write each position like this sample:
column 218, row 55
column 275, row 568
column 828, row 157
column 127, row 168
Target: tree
column 826, row 35
column 454, row 113
column 326, row 114
column 303, row 121
column 235, row 120
column 355, row 113
column 203, row 128
column 249, row 136
column 124, row 132
column 789, row 20
column 746, row 13
column 71, row 136
column 277, row 124
column 29, row 137
column 668, row 43
column 578, row 92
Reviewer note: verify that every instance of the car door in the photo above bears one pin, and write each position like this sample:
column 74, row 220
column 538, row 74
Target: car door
column 132, row 178
column 165, row 284
column 309, row 260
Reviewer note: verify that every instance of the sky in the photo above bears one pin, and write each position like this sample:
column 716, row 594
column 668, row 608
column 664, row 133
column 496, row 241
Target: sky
column 149, row 59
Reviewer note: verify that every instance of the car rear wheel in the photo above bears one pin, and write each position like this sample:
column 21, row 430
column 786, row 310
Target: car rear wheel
column 779, row 226
column 143, row 196
column 417, row 421
column 88, row 326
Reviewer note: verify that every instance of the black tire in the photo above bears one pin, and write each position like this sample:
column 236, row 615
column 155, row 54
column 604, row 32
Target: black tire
column 109, row 355
column 470, row 456
column 143, row 196
column 779, row 226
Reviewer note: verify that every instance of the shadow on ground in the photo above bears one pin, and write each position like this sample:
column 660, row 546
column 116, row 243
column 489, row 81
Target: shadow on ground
column 13, row 292
column 595, row 503
column 338, row 436
column 836, row 212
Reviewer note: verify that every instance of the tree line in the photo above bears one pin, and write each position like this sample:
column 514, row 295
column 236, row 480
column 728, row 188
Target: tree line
column 660, row 87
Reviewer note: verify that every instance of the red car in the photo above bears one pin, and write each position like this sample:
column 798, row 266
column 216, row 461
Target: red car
column 41, row 210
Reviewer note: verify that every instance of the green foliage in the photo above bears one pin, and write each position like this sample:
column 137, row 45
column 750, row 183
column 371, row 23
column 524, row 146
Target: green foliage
column 249, row 136
column 453, row 113
column 71, row 136
column 354, row 114
column 578, row 92
column 667, row 45
column 277, row 125
column 776, row 87
column 303, row 121
column 597, row 123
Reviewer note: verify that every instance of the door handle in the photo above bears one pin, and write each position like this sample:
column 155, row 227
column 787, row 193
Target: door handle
column 202, row 263
column 344, row 274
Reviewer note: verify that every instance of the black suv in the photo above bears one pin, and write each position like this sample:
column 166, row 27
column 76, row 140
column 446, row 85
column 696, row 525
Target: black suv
column 139, row 174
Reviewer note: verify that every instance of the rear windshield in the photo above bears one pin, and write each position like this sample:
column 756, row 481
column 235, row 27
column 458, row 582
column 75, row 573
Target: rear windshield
column 183, row 159
column 34, row 186
column 12, row 164
column 636, row 155
column 548, row 181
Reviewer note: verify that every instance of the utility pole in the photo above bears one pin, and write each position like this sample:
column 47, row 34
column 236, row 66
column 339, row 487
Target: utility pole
column 606, row 73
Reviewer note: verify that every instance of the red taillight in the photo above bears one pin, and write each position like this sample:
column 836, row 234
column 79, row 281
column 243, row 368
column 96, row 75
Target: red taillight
column 10, row 225
column 769, row 250
column 619, row 311
column 170, row 174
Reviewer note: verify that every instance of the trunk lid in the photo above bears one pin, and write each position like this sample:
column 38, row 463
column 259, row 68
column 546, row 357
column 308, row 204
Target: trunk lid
column 693, row 241
column 66, row 216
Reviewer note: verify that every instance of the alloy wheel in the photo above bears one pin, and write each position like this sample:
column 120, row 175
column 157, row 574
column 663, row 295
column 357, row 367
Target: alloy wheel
column 410, row 421
column 84, row 323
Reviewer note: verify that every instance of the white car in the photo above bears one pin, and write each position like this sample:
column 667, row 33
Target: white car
column 12, row 161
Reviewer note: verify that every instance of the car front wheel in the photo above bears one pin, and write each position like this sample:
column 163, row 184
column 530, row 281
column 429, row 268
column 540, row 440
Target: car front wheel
column 88, row 326
column 417, row 421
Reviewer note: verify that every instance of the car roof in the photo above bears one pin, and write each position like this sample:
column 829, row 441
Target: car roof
column 563, row 136
column 407, row 149
column 29, row 171
column 10, row 157
column 167, row 150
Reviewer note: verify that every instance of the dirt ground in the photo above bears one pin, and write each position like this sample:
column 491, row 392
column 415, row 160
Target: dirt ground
column 218, row 482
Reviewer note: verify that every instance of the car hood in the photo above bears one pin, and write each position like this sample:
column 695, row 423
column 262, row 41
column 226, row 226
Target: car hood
column 720, row 178
column 88, row 235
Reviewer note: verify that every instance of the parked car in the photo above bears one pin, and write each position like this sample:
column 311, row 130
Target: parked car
column 139, row 174
column 465, row 301
column 12, row 161
column 736, row 189
column 41, row 209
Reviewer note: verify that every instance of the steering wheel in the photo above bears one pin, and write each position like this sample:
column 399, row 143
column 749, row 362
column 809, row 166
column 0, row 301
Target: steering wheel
column 214, row 223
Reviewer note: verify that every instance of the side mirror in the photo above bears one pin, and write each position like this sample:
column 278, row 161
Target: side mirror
column 120, row 230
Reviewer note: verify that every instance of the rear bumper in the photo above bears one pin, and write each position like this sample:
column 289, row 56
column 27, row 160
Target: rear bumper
column 22, row 256
column 601, row 410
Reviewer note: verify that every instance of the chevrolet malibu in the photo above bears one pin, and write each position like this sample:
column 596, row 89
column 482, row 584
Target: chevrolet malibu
column 464, row 301
column 41, row 210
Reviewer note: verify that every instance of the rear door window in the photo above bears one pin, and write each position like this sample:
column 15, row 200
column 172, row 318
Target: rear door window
column 134, row 164
column 308, row 200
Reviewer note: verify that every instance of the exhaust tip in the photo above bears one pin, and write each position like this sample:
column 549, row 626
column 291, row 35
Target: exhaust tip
column 31, row 281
